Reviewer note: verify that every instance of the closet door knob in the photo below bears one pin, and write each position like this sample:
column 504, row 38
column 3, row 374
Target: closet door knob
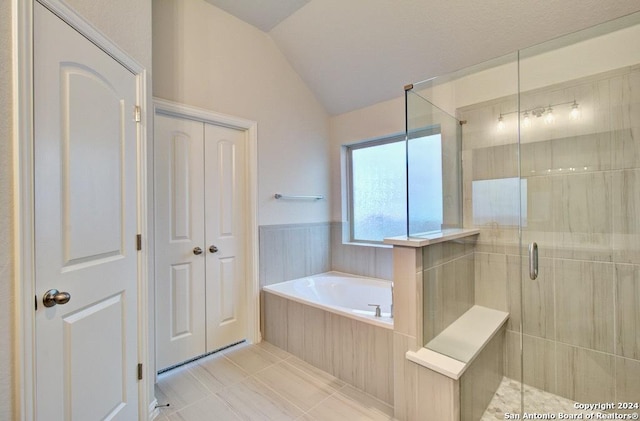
column 197, row 251
column 213, row 249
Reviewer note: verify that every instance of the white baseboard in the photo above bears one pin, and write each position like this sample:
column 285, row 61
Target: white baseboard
column 154, row 411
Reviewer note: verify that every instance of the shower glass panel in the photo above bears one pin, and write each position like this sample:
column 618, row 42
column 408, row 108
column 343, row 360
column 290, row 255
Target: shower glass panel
column 434, row 180
column 480, row 189
column 579, row 115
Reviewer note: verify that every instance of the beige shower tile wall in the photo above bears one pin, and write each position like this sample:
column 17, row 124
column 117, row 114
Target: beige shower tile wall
column 581, row 318
column 448, row 285
column 627, row 278
column 480, row 381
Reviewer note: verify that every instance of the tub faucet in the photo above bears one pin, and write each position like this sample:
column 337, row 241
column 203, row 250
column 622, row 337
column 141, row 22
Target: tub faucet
column 378, row 312
column 391, row 312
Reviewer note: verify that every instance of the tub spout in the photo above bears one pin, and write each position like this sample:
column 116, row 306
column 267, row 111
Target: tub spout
column 391, row 315
column 378, row 312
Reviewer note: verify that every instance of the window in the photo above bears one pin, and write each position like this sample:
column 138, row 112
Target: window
column 377, row 174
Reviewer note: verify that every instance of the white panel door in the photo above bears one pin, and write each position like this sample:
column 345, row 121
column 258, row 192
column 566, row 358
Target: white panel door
column 225, row 203
column 180, row 270
column 85, row 227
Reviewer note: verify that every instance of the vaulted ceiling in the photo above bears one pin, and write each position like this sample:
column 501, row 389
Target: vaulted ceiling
column 355, row 53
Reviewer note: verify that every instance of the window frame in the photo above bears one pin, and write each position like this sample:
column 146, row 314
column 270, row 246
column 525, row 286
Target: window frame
column 393, row 138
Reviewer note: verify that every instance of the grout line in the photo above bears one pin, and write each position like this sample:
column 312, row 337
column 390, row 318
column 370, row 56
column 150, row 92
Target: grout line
column 615, row 331
column 190, row 404
column 273, row 353
column 572, row 345
column 335, row 391
column 278, row 394
column 226, row 404
column 347, row 385
column 319, row 380
column 555, row 325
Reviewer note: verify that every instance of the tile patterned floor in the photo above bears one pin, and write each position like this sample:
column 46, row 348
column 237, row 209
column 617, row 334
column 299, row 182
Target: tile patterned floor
column 261, row 382
column 507, row 400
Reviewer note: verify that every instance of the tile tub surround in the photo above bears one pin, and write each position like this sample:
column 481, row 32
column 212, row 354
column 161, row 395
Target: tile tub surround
column 359, row 259
column 357, row 353
column 580, row 317
column 293, row 251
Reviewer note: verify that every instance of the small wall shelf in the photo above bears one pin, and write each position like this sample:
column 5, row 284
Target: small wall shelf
column 429, row 239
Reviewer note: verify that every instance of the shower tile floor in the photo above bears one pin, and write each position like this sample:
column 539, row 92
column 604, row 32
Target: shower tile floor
column 260, row 382
column 536, row 401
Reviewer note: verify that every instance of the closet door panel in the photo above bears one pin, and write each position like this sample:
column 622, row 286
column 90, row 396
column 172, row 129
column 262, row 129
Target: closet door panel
column 225, row 202
column 179, row 213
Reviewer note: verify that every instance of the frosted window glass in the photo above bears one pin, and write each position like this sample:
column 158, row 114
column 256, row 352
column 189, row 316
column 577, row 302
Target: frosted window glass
column 379, row 191
column 379, row 188
column 425, row 184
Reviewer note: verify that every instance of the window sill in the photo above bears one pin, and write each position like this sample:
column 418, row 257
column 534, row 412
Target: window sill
column 359, row 244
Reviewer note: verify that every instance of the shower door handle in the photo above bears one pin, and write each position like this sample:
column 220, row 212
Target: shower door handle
column 533, row 260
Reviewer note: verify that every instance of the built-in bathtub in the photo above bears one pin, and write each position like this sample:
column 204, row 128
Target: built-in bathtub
column 326, row 320
column 344, row 294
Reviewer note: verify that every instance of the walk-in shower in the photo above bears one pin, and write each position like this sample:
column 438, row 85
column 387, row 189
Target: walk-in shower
column 543, row 146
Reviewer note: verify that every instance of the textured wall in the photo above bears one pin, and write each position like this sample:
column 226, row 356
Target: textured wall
column 126, row 22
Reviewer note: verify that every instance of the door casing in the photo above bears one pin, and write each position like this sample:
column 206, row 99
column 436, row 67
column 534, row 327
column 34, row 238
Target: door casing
column 252, row 288
column 23, row 142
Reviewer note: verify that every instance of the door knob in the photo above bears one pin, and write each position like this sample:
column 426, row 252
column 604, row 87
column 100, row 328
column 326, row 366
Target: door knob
column 197, row 251
column 53, row 297
column 213, row 249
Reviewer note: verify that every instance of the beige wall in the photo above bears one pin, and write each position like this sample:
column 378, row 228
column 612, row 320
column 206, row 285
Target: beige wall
column 378, row 120
column 127, row 23
column 206, row 58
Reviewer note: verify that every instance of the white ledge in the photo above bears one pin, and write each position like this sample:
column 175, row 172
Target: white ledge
column 462, row 341
column 433, row 238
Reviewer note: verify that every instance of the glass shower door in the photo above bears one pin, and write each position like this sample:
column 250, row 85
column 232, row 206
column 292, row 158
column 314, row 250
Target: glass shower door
column 434, row 173
column 579, row 124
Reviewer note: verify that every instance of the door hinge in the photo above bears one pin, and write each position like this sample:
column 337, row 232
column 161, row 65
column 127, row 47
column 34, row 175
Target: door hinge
column 139, row 242
column 137, row 114
column 140, row 371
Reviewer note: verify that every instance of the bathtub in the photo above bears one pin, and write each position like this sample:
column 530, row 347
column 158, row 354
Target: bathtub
column 341, row 293
column 325, row 320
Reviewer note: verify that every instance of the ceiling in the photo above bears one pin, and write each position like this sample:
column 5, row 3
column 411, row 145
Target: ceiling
column 355, row 53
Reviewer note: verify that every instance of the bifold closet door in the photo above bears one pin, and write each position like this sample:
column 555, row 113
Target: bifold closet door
column 225, row 203
column 179, row 239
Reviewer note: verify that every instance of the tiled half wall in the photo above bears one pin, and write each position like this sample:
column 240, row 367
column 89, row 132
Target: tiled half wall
column 298, row 250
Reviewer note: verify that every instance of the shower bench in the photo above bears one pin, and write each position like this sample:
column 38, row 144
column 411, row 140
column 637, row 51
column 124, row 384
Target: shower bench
column 473, row 366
